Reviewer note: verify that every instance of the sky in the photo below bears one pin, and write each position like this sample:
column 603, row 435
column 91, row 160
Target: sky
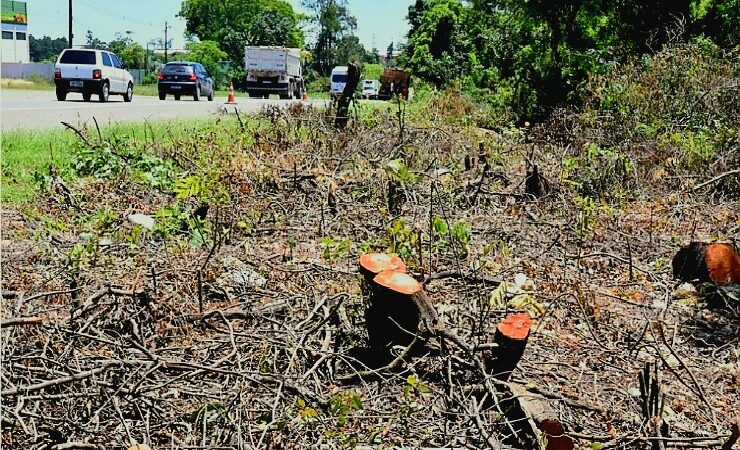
column 378, row 21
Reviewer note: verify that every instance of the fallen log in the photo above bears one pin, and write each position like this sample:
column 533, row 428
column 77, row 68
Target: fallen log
column 707, row 262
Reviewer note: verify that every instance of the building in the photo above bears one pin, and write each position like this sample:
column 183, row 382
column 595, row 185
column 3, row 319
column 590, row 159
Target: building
column 14, row 32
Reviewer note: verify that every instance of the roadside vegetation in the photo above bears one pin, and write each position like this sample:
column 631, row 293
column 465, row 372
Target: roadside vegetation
column 195, row 284
column 217, row 259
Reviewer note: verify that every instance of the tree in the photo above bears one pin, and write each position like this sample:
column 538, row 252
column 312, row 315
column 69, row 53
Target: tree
column 237, row 23
column 333, row 21
column 46, row 48
column 93, row 42
column 349, row 50
column 208, row 54
column 538, row 54
column 437, row 49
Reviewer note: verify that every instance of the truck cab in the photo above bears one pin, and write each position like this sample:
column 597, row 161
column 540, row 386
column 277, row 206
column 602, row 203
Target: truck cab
column 370, row 89
column 338, row 80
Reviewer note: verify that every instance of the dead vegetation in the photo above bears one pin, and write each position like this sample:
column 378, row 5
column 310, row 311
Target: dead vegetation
column 238, row 320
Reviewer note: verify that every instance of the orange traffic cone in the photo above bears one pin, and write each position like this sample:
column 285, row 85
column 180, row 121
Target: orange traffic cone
column 305, row 95
column 231, row 100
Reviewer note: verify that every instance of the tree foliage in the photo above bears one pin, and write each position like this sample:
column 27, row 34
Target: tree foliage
column 210, row 55
column 536, row 55
column 235, row 24
column 334, row 40
column 130, row 52
column 46, row 48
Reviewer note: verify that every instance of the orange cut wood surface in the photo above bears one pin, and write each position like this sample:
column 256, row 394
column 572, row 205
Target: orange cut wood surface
column 400, row 282
column 516, row 326
column 379, row 262
column 723, row 263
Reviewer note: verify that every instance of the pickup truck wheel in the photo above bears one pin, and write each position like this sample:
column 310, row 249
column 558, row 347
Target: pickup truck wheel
column 162, row 96
column 129, row 94
column 86, row 96
column 253, row 95
column 196, row 95
column 177, row 97
column 104, row 92
column 61, row 95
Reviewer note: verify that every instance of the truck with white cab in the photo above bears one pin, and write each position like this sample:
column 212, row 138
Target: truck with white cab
column 273, row 70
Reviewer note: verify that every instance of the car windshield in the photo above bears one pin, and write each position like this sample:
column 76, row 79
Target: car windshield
column 78, row 57
column 339, row 78
column 177, row 68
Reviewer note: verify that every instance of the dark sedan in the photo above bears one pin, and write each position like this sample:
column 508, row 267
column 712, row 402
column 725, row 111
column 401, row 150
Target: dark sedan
column 184, row 78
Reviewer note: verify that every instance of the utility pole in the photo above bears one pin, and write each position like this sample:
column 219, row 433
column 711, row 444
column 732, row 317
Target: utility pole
column 70, row 24
column 166, row 27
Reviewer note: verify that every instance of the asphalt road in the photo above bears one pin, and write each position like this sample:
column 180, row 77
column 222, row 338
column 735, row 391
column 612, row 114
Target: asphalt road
column 27, row 109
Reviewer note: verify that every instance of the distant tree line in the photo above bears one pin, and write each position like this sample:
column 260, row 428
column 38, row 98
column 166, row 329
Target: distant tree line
column 239, row 23
column 536, row 54
column 46, row 49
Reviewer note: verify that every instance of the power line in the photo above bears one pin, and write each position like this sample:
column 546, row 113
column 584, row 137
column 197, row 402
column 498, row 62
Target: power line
column 106, row 12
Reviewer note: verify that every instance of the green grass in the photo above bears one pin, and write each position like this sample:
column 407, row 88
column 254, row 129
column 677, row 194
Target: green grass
column 27, row 154
column 13, row 83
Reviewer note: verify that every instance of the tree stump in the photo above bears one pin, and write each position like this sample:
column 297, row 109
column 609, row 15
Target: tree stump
column 535, row 184
column 703, row 262
column 398, row 306
column 511, row 337
column 353, row 78
column 372, row 264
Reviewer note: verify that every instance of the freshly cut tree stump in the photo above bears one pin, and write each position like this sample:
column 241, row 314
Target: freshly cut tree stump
column 398, row 306
column 511, row 337
column 372, row 264
column 543, row 415
column 554, row 432
column 701, row 261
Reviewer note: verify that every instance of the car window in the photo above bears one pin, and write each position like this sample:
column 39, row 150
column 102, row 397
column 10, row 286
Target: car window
column 106, row 60
column 78, row 57
column 116, row 62
column 177, row 68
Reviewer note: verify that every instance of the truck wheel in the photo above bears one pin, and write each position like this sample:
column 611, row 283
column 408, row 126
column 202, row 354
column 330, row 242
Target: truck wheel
column 61, row 95
column 86, row 96
column 254, row 95
column 162, row 96
column 177, row 96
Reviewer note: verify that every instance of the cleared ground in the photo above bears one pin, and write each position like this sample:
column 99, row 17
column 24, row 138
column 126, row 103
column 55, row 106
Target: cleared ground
column 28, row 109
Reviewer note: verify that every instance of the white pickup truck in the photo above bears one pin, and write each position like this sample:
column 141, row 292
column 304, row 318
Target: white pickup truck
column 89, row 72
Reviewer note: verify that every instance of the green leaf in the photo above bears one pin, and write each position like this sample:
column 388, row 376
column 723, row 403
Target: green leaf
column 440, row 227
